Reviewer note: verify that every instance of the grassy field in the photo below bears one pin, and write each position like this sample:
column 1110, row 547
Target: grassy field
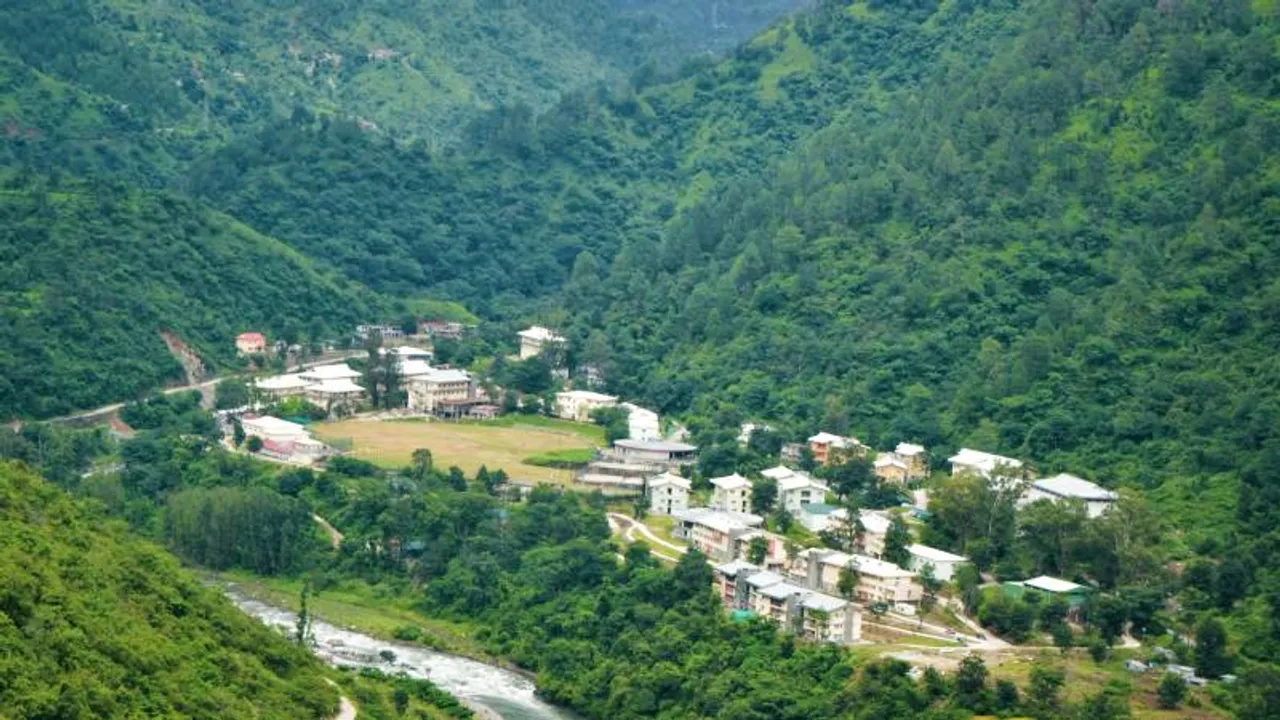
column 501, row 444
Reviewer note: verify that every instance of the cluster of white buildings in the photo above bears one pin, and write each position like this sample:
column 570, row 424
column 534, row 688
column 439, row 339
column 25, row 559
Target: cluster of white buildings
column 578, row 405
column 431, row 390
column 1063, row 487
column 332, row 387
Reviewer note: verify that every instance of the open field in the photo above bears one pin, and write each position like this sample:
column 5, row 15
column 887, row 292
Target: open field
column 502, row 444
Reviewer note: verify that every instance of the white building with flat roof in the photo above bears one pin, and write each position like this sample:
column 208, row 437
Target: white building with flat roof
column 1067, row 488
column 944, row 563
column 731, row 492
column 809, row 613
column 281, row 386
column 668, row 494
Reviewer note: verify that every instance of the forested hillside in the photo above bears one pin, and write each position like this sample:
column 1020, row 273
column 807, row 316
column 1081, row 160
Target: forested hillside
column 96, row 624
column 197, row 71
column 1066, row 253
column 91, row 273
column 507, row 214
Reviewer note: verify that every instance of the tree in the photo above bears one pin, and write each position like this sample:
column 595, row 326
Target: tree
column 237, row 432
column 1006, row 695
column 757, row 550
column 851, row 477
column 783, row 520
column 231, row 394
column 457, row 478
column 421, row 459
column 615, row 422
column 847, row 528
column 1050, row 531
column 847, row 583
column 1063, row 639
column 930, row 585
column 971, row 683
column 1171, row 691
column 302, row 629
column 896, row 542
column 764, row 493
column 1043, row 699
column 254, row 443
column 1212, row 660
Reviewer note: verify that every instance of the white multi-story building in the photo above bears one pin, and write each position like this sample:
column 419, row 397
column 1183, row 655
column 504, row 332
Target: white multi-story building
column 796, row 489
column 731, row 492
column 714, row 532
column 438, row 387
column 668, row 494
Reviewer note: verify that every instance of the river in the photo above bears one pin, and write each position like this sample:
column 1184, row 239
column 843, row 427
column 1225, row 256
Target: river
column 508, row 695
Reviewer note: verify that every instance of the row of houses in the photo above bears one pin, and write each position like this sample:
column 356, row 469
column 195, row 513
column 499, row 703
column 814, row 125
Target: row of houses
column 747, row 589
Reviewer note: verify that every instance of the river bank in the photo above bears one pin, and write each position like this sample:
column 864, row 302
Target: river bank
column 495, row 693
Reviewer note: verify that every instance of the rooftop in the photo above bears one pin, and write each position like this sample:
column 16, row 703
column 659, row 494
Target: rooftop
column 799, row 481
column 274, row 425
column 764, row 579
column 586, row 396
column 826, row 438
column 930, row 554
column 778, row 473
column 537, row 332
column 282, row 382
column 908, row 449
column 335, row 387
column 819, row 508
column 731, row 569
column 823, row 602
column 414, row 367
column 445, row 375
column 669, row 479
column 985, row 462
column 723, row 521
column 1052, row 584
column 886, row 461
column 731, row 482
column 254, row 336
column 864, row 564
column 1070, row 486
column 655, row 446
column 337, row 371
column 780, row 590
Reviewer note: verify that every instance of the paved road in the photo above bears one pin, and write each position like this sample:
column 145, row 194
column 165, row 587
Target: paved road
column 627, row 527
column 106, row 409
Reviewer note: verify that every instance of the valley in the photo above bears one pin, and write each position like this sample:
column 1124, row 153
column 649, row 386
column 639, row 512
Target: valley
column 773, row 359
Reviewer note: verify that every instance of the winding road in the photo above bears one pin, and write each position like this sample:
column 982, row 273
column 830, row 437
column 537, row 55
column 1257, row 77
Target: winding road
column 627, row 527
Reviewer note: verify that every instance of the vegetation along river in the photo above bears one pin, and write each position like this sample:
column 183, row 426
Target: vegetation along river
column 507, row 694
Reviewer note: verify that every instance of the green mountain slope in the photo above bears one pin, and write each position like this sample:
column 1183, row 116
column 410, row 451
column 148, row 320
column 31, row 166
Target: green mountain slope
column 90, row 274
column 506, row 214
column 96, row 624
column 201, row 69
